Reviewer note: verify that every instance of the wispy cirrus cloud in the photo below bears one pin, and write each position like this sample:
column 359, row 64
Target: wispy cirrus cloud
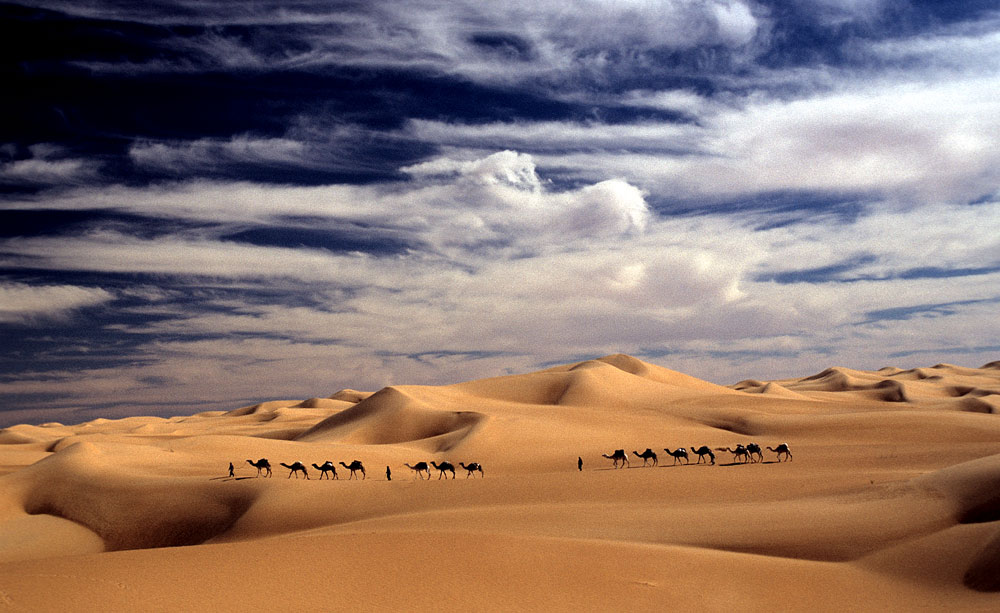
column 22, row 303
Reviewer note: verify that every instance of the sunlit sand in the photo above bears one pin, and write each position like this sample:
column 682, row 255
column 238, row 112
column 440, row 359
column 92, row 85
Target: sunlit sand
column 886, row 497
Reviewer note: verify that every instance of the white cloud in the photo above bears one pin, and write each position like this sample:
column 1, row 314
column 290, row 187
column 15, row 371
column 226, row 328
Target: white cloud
column 218, row 152
column 48, row 165
column 686, row 287
column 21, row 303
column 544, row 40
column 908, row 141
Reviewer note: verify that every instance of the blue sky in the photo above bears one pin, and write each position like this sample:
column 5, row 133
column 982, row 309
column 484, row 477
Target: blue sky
column 206, row 204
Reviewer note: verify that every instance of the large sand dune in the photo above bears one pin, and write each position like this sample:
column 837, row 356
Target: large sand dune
column 891, row 500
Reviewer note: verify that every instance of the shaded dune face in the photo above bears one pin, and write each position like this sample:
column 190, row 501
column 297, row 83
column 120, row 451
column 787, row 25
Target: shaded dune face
column 86, row 486
column 394, row 416
column 983, row 574
column 943, row 386
column 973, row 490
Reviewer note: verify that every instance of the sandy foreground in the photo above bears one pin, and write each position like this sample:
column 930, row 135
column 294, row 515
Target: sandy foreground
column 890, row 502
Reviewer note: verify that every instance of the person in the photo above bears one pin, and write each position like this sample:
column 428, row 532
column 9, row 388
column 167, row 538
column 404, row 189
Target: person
column 388, row 474
column 231, row 470
column 579, row 464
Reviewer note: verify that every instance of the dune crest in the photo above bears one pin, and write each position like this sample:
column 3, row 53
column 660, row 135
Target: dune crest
column 392, row 415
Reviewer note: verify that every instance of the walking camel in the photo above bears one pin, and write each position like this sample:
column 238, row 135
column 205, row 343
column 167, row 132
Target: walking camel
column 740, row 454
column 678, row 454
column 418, row 469
column 781, row 449
column 261, row 464
column 471, row 468
column 646, row 456
column 616, row 457
column 702, row 452
column 295, row 467
column 327, row 467
column 354, row 467
column 753, row 449
column 443, row 467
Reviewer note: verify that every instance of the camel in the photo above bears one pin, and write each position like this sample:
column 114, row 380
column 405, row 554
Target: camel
column 702, row 452
column 473, row 467
column 781, row 449
column 327, row 467
column 740, row 454
column 617, row 456
column 418, row 469
column 678, row 454
column 261, row 464
column 442, row 467
column 354, row 467
column 753, row 449
column 646, row 456
column 295, row 468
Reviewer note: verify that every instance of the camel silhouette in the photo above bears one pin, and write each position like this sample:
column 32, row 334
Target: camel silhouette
column 753, row 449
column 646, row 456
column 261, row 465
column 471, row 468
column 740, row 454
column 443, row 467
column 419, row 469
column 327, row 467
column 295, row 468
column 781, row 449
column 702, row 452
column 354, row 467
column 678, row 454
column 616, row 457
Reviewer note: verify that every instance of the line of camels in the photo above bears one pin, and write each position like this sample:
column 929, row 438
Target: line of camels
column 328, row 468
column 749, row 453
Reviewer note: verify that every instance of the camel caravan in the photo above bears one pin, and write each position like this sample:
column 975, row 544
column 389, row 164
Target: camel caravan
column 750, row 453
column 328, row 469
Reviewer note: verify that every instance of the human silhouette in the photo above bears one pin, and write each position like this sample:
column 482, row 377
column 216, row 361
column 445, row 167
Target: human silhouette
column 231, row 473
column 388, row 474
column 579, row 464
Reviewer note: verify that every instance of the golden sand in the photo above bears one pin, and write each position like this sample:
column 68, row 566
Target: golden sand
column 890, row 501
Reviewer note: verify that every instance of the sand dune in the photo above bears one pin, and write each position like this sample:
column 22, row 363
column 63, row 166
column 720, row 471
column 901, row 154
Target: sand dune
column 891, row 501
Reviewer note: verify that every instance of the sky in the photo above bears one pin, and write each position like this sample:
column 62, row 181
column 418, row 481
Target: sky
column 205, row 204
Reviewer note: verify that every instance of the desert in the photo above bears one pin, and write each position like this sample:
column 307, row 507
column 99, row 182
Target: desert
column 885, row 496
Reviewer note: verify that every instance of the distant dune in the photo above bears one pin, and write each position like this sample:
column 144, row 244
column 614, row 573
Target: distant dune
column 888, row 498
